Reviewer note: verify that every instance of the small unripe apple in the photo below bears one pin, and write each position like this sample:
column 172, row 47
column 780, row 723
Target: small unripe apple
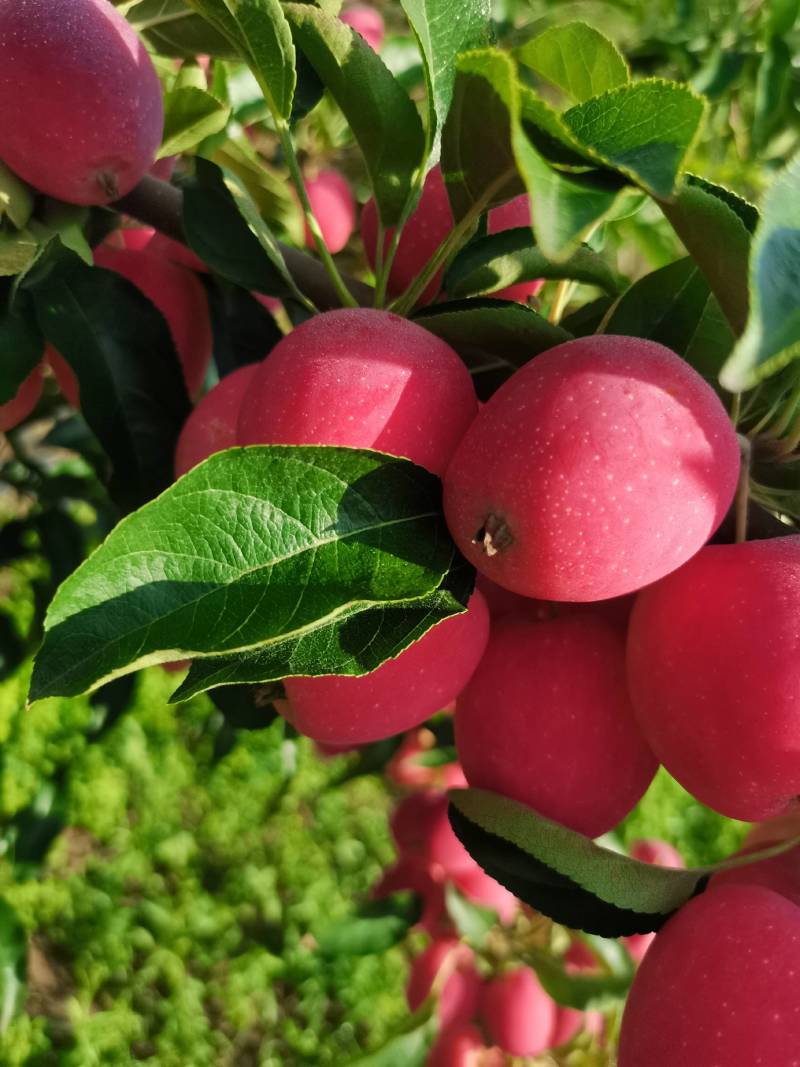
column 546, row 720
column 363, row 378
column 429, row 224
column 518, row 1014
column 597, row 468
column 334, row 208
column 19, row 407
column 714, row 672
column 211, row 427
column 180, row 298
column 81, row 114
column 407, row 874
column 422, row 831
column 720, row 985
column 447, row 966
column 366, row 21
column 401, row 693
column 515, row 213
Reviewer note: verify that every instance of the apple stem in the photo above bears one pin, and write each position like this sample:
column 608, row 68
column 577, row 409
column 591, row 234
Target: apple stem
column 743, row 489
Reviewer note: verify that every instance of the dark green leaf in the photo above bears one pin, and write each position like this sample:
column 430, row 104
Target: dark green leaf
column 562, row 873
column 244, row 331
column 375, row 927
column 443, row 29
column 781, row 15
column 772, row 93
column 21, row 345
column 190, row 115
column 472, row 921
column 235, row 245
column 265, row 33
column 174, row 30
column 478, row 158
column 250, row 548
column 502, row 259
column 354, row 645
column 717, row 238
column 586, row 319
column 132, row 391
column 645, row 131
column 576, row 59
column 383, row 119
column 747, row 212
column 674, row 306
column 487, row 330
column 772, row 337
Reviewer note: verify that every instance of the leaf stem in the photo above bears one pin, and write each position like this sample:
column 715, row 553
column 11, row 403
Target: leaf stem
column 297, row 177
column 406, row 301
column 387, row 256
column 561, row 298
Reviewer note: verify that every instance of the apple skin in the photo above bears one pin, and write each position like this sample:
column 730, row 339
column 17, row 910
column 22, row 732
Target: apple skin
column 401, row 693
column 597, row 468
column 452, row 963
column 19, row 407
column 365, row 379
column 334, row 208
column 515, row 213
column 545, row 688
column 180, row 298
column 211, row 427
column 519, row 1015
column 720, row 985
column 429, row 224
column 714, row 669
column 366, row 21
column 93, row 116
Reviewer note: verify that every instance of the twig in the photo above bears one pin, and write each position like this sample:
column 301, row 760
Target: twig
column 159, row 204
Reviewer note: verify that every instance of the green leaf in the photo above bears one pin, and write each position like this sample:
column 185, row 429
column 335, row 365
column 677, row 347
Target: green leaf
column 17, row 252
column 253, row 546
column 492, row 149
column 65, row 221
column 375, row 927
column 645, row 131
column 443, row 29
column 772, row 93
column 352, row 643
column 478, row 159
column 781, row 16
column 21, row 346
column 716, row 235
column 224, row 228
column 576, row 59
column 584, row 992
column 472, row 921
column 16, row 199
column 484, row 330
column 174, row 30
column 132, row 390
column 772, row 337
column 562, row 873
column 265, row 33
column 384, row 121
column 502, row 259
column 674, row 306
column 408, row 1048
column 190, row 115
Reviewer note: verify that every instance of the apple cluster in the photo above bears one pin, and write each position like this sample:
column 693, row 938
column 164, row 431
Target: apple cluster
column 487, row 1008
